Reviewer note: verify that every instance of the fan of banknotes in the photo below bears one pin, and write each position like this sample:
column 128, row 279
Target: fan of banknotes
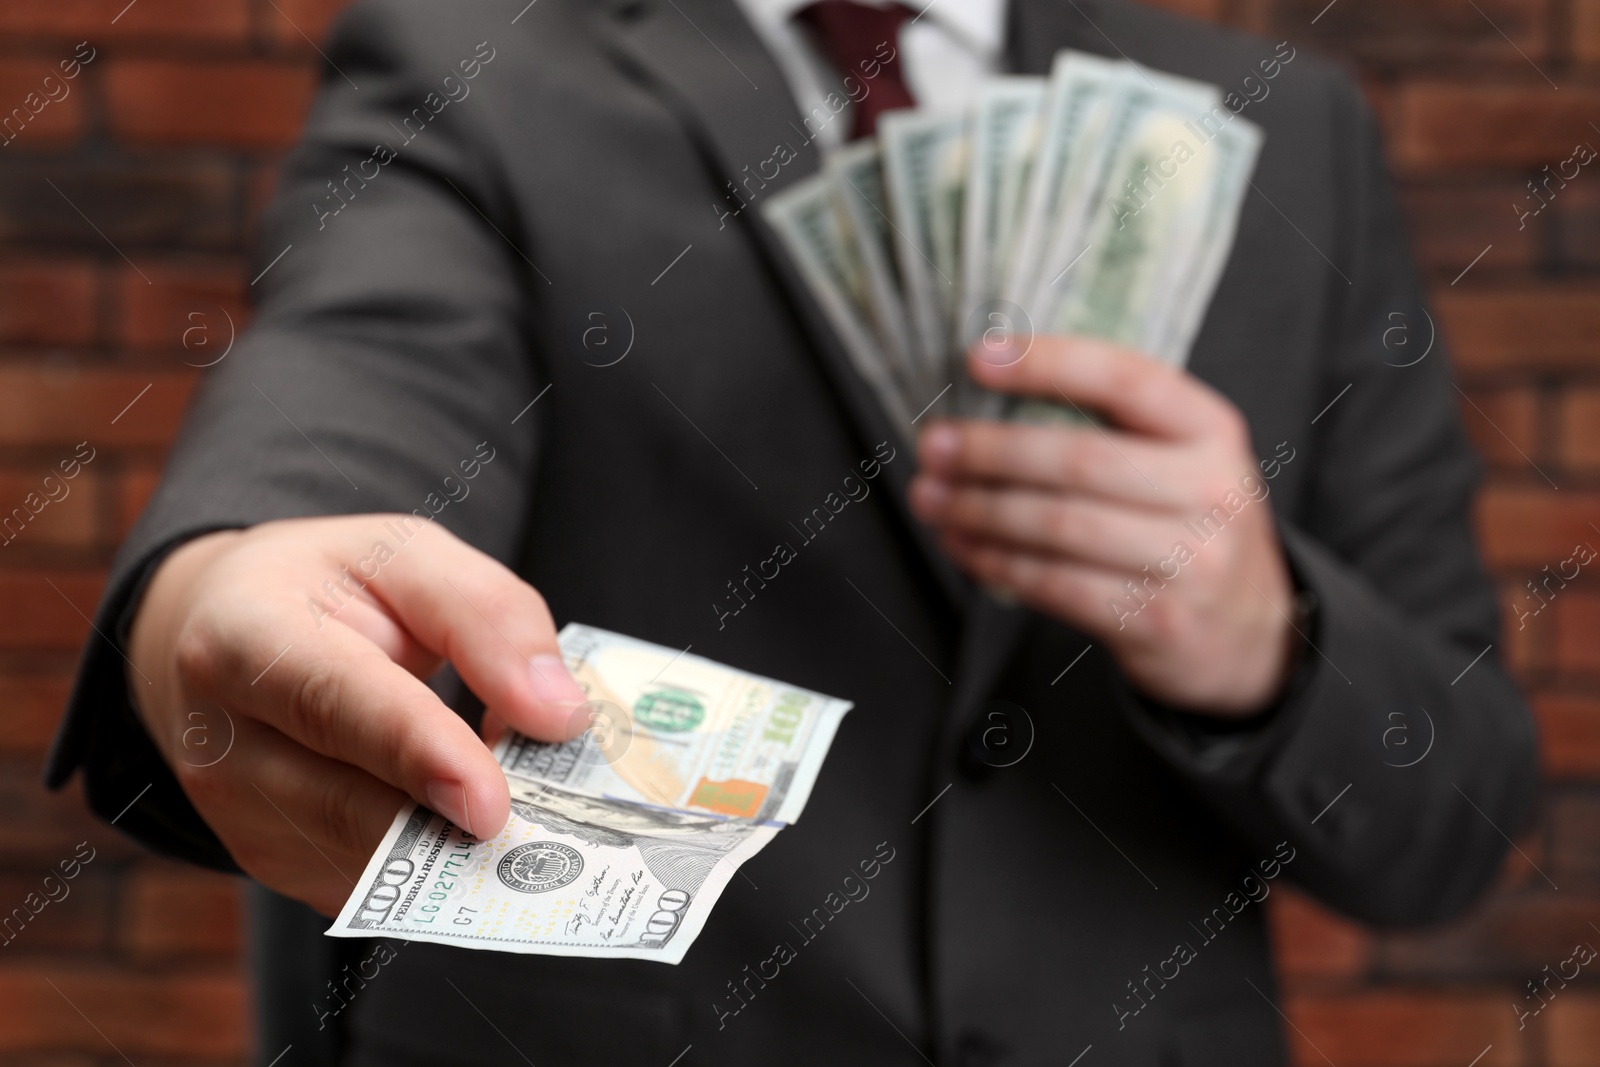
column 621, row 839
column 1100, row 201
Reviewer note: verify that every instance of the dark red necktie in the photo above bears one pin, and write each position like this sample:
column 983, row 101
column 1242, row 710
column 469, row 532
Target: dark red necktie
column 856, row 37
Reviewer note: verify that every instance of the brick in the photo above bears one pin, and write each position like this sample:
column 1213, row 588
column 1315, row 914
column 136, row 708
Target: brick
column 48, row 302
column 170, row 910
column 1310, row 941
column 155, row 1015
column 1526, row 619
column 68, row 514
column 1572, row 1029
column 1569, row 734
column 63, row 1059
column 1577, row 646
column 1453, row 124
column 260, row 188
column 43, row 608
column 80, row 920
column 1379, row 32
column 1403, row 1028
column 40, row 828
column 185, row 308
column 61, row 407
column 1525, row 644
column 239, row 103
column 33, row 704
column 128, row 203
column 1503, row 425
column 110, row 20
column 1585, row 18
column 1572, row 822
column 134, row 490
column 292, row 22
column 1534, row 527
column 1550, row 327
column 1573, row 835
column 1579, row 424
column 1451, row 225
column 1253, row 16
column 1576, row 222
column 35, row 113
column 1507, row 938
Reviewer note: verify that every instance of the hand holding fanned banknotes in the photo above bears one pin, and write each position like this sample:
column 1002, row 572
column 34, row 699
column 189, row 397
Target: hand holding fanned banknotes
column 1099, row 202
column 621, row 839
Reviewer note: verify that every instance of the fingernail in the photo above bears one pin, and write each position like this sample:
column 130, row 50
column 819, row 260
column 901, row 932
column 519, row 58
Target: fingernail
column 940, row 443
column 553, row 684
column 448, row 797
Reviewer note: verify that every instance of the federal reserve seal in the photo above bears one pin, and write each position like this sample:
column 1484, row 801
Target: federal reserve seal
column 672, row 711
column 539, row 867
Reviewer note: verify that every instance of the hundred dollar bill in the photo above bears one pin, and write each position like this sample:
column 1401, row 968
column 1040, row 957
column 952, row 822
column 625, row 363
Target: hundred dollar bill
column 670, row 729
column 621, row 840
column 570, row 875
column 857, row 173
column 1237, row 145
column 817, row 234
column 1149, row 107
column 1139, row 242
column 1129, row 225
column 1004, row 132
column 1077, row 105
column 924, row 169
column 1004, row 137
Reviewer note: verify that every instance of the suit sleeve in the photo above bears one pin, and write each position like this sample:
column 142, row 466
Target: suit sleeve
column 390, row 347
column 1401, row 758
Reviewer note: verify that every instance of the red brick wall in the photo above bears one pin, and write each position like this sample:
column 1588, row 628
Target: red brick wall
column 167, row 141
column 1468, row 99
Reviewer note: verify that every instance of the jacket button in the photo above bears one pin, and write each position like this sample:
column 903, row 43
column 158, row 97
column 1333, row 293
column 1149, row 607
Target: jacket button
column 1000, row 736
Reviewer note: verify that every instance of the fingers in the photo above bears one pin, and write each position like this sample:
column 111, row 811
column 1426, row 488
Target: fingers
column 369, row 617
column 337, row 694
column 1049, row 523
column 493, row 626
column 296, row 821
column 1103, row 463
column 1076, row 593
column 1132, row 390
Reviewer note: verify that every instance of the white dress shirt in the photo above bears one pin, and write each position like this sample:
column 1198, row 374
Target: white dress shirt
column 944, row 53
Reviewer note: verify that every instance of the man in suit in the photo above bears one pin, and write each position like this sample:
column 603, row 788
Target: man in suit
column 1071, row 799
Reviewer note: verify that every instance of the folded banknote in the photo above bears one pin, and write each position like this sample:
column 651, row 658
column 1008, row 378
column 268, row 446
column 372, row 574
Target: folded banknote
column 620, row 840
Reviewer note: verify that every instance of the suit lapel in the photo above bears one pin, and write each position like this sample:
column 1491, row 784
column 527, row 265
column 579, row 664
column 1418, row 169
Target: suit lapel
column 717, row 76
column 711, row 69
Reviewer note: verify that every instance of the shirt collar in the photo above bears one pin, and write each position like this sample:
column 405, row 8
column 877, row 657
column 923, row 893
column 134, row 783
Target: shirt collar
column 979, row 22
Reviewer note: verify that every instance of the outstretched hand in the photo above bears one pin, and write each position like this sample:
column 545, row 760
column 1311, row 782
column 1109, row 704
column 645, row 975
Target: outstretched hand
column 313, row 642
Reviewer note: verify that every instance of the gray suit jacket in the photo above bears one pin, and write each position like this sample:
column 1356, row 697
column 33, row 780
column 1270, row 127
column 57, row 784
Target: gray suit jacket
column 1094, row 883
